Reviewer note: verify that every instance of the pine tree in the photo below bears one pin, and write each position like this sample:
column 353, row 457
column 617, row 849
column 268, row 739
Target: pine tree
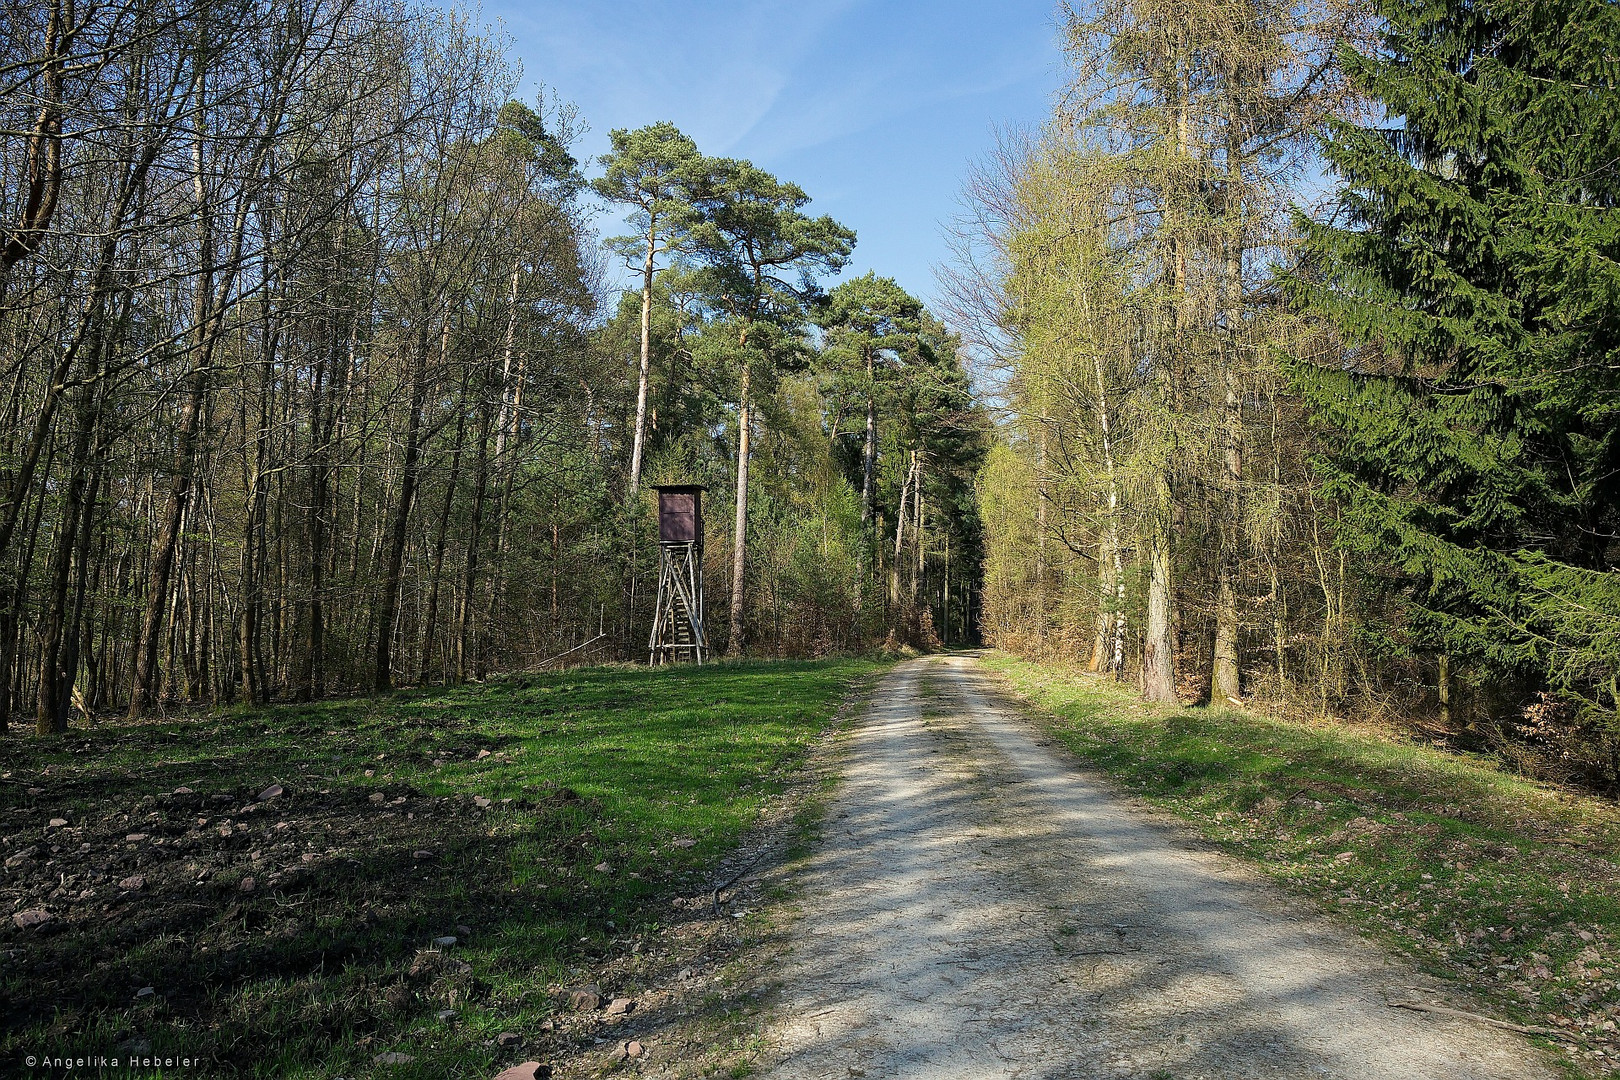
column 1471, row 268
column 759, row 254
column 870, row 324
column 653, row 169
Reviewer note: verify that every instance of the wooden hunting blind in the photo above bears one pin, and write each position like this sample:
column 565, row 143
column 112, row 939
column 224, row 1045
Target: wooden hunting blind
column 677, row 628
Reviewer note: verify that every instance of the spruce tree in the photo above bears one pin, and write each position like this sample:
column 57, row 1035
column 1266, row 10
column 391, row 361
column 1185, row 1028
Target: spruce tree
column 1471, row 271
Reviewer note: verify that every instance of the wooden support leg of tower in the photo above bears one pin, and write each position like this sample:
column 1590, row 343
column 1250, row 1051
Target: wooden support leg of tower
column 678, row 614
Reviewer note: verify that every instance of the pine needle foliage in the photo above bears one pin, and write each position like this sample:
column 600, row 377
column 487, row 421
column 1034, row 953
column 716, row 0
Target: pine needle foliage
column 1471, row 265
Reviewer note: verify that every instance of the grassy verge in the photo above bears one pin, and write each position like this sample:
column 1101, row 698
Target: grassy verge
column 542, row 822
column 1510, row 887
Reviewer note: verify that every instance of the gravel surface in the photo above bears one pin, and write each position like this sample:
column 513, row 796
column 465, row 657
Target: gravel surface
column 981, row 907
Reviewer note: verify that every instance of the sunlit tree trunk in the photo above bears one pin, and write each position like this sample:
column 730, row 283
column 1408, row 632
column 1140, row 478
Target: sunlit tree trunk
column 646, row 351
column 734, row 640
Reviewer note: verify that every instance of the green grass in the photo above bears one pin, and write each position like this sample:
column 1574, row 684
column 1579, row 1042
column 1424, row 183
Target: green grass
column 517, row 790
column 1508, row 886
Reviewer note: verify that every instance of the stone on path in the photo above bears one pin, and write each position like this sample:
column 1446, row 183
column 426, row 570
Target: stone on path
column 32, row 918
column 529, row 1070
column 585, row 998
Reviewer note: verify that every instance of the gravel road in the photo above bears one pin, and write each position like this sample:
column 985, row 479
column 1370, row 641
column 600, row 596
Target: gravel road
column 980, row 907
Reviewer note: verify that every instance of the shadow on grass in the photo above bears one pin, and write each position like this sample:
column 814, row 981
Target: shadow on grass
column 294, row 934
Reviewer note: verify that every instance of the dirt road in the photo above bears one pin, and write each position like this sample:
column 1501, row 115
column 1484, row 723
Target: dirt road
column 980, row 908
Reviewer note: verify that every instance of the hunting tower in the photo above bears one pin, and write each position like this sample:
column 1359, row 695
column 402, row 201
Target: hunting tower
column 678, row 616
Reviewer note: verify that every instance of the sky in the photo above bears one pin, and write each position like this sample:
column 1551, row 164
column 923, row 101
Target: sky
column 876, row 109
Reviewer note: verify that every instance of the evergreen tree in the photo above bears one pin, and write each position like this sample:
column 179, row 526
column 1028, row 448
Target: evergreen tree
column 1472, row 271
column 759, row 253
column 653, row 169
column 870, row 323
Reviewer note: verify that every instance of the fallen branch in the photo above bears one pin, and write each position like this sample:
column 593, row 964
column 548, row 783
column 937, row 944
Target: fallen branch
column 1523, row 1029
column 542, row 665
column 714, row 900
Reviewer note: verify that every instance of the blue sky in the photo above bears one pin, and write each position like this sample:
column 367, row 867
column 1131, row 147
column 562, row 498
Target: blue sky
column 874, row 108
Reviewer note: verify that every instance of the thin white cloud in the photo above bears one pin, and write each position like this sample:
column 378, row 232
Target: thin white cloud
column 715, row 70
column 874, row 107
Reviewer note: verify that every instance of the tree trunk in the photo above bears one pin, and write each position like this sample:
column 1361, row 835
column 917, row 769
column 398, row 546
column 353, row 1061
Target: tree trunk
column 1443, row 682
column 75, row 644
column 646, row 355
column 17, row 484
column 1108, row 651
column 398, row 533
column 430, row 620
column 919, row 533
column 143, row 685
column 734, row 641
column 1225, row 677
column 1159, row 653
column 255, row 463
column 44, row 167
column 51, row 713
column 505, row 441
column 1104, row 623
column 899, row 541
column 869, row 454
column 208, row 302
column 468, row 654
column 325, row 384
column 1041, row 620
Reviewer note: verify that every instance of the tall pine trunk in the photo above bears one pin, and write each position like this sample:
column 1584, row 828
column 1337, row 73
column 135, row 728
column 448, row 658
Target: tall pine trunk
column 646, row 352
column 734, row 640
column 869, row 451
